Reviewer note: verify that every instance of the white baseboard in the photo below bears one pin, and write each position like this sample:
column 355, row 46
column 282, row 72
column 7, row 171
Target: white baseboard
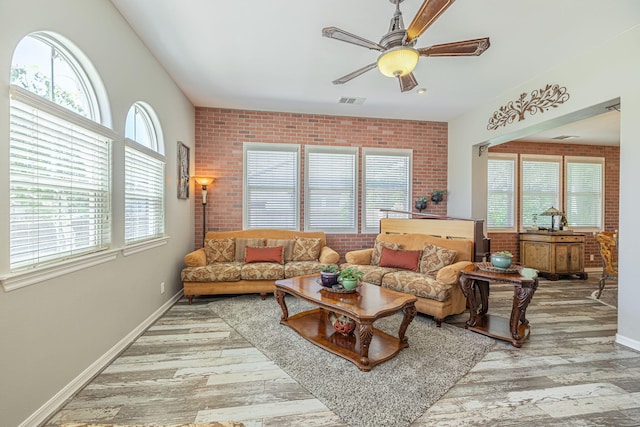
column 628, row 342
column 57, row 401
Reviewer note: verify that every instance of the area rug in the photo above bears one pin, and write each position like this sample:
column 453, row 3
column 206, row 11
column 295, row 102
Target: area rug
column 609, row 296
column 394, row 393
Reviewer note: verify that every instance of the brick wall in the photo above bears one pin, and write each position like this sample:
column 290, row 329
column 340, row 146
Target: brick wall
column 510, row 241
column 220, row 134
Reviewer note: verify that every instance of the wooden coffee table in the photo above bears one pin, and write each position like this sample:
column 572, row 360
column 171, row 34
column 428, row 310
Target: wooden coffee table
column 367, row 346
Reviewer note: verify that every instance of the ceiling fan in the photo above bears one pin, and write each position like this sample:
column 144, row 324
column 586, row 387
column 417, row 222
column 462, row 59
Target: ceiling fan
column 399, row 57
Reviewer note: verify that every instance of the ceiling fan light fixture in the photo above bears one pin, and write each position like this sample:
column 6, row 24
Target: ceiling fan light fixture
column 398, row 61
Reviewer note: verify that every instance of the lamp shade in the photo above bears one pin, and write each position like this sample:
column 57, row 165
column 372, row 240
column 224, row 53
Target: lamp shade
column 551, row 212
column 204, row 180
column 398, row 61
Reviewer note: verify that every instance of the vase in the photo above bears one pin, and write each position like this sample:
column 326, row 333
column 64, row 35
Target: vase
column 421, row 205
column 328, row 279
column 342, row 324
column 501, row 261
column 349, row 284
column 436, row 198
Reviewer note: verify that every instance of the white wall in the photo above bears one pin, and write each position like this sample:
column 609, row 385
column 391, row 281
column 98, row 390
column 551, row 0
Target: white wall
column 606, row 72
column 52, row 331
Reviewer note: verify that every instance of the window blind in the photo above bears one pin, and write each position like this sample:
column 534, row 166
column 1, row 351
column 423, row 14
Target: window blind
column 386, row 185
column 59, row 184
column 144, row 196
column 540, row 189
column 330, row 193
column 584, row 196
column 501, row 192
column 271, row 192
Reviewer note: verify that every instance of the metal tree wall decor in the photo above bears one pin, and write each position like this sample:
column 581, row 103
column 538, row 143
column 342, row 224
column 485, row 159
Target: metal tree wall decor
column 541, row 100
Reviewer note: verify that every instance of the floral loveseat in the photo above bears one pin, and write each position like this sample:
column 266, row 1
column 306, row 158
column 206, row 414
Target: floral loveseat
column 250, row 261
column 422, row 265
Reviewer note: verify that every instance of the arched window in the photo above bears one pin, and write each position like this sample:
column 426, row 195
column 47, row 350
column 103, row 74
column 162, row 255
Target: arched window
column 144, row 175
column 59, row 156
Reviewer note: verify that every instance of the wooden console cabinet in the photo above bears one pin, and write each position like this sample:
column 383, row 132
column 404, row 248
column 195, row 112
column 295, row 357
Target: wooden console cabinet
column 553, row 253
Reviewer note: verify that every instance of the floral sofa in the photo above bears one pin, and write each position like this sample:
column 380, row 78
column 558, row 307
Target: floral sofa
column 422, row 265
column 250, row 261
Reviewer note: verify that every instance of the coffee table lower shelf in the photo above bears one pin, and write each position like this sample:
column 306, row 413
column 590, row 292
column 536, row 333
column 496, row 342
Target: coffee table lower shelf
column 314, row 326
column 498, row 327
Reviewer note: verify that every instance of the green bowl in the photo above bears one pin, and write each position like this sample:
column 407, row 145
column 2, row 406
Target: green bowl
column 501, row 261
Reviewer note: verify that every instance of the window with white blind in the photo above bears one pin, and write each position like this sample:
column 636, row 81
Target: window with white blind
column 59, row 158
column 144, row 176
column 540, row 182
column 584, row 196
column 501, row 202
column 271, row 191
column 331, row 189
column 386, row 184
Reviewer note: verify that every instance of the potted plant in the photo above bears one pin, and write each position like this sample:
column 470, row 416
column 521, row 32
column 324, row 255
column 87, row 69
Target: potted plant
column 349, row 278
column 329, row 275
column 421, row 203
column 501, row 259
column 437, row 196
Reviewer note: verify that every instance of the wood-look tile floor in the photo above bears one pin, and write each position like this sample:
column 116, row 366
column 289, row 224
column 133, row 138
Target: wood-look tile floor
column 190, row 366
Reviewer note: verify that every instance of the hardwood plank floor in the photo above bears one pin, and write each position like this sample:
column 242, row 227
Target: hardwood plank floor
column 192, row 367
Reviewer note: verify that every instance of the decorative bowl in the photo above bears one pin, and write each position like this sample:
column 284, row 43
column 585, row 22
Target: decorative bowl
column 342, row 324
column 501, row 261
column 329, row 279
column 349, row 284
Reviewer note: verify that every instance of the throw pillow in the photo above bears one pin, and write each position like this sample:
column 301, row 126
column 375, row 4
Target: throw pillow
column 406, row 260
column 305, row 249
column 220, row 250
column 287, row 244
column 434, row 258
column 242, row 243
column 377, row 250
column 273, row 254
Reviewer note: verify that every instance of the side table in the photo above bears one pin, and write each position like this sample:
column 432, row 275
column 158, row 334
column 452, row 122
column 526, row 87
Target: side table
column 475, row 280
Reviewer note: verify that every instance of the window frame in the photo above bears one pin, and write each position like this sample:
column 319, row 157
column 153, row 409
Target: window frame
column 341, row 151
column 389, row 152
column 588, row 160
column 539, row 158
column 295, row 192
column 150, row 160
column 515, row 194
column 48, row 266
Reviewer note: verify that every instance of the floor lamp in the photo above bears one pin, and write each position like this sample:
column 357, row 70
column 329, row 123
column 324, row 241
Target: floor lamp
column 204, row 181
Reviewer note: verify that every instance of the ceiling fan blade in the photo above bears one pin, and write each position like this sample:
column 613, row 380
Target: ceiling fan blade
column 407, row 82
column 338, row 34
column 463, row 48
column 428, row 13
column 354, row 74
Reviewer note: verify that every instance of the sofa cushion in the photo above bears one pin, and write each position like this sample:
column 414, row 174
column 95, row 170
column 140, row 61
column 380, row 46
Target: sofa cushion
column 434, row 258
column 196, row 258
column 372, row 273
column 262, row 271
column 417, row 284
column 407, row 260
column 273, row 254
column 216, row 272
column 377, row 250
column 287, row 244
column 301, row 268
column 305, row 249
column 220, row 250
column 242, row 243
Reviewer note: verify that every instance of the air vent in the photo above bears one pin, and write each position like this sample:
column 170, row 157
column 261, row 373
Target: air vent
column 347, row 100
column 563, row 137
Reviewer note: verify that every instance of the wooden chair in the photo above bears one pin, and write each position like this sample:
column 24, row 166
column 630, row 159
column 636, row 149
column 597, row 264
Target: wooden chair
column 607, row 242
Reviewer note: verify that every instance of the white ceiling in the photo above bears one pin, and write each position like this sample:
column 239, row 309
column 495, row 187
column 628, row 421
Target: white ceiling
column 271, row 56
